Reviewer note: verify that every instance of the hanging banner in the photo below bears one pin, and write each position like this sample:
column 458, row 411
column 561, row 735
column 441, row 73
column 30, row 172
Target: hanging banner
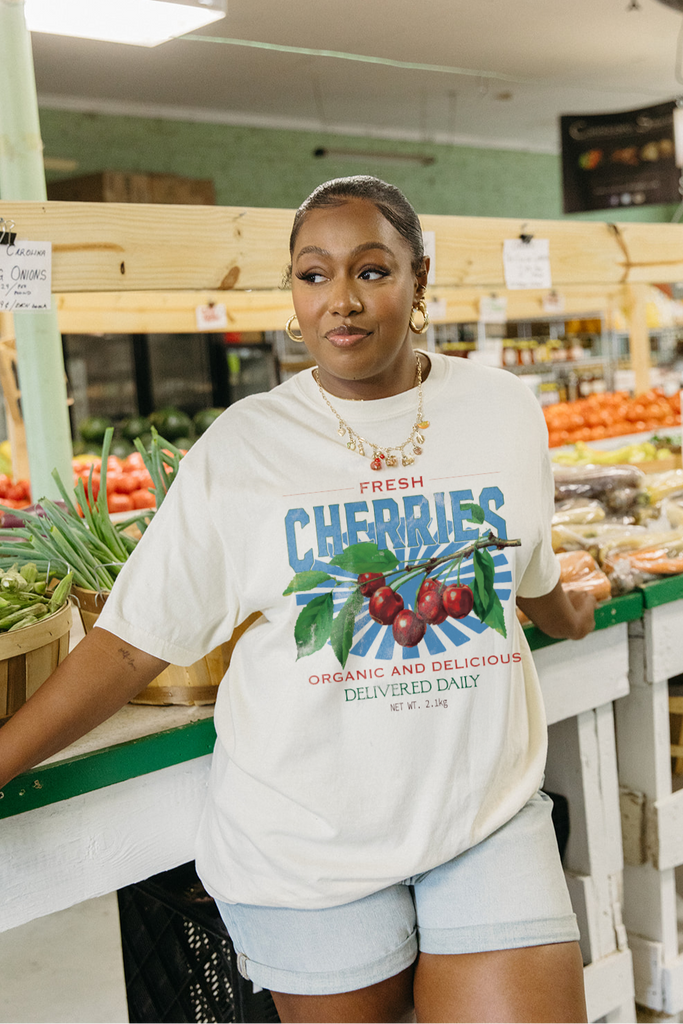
column 618, row 160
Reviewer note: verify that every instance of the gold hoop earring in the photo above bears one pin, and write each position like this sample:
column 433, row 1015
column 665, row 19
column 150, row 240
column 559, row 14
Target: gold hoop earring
column 288, row 330
column 421, row 307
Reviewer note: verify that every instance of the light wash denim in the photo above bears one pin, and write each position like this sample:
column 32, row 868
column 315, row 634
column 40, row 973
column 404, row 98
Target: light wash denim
column 506, row 892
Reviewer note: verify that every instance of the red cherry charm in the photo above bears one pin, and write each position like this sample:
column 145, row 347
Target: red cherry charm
column 370, row 582
column 458, row 601
column 408, row 628
column 430, row 607
column 385, row 604
column 376, row 464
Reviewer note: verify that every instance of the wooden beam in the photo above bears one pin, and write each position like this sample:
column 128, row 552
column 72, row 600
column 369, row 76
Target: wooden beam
column 138, row 247
column 174, row 312
column 639, row 336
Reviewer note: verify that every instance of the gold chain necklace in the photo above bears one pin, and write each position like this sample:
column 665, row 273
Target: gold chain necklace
column 382, row 453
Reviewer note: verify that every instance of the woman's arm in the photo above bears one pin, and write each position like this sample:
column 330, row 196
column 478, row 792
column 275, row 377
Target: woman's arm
column 561, row 614
column 101, row 674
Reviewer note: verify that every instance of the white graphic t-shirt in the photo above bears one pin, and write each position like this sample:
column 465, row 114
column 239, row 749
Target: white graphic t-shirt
column 347, row 761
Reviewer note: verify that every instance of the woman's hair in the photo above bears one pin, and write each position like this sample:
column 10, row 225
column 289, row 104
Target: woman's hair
column 388, row 199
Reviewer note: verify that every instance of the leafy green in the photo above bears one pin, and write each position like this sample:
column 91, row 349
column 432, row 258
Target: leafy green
column 496, row 616
column 365, row 557
column 484, row 574
column 306, row 581
column 341, row 636
column 477, row 511
column 312, row 629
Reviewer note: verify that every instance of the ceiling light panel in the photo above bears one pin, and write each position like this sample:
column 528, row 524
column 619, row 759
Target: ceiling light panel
column 136, row 22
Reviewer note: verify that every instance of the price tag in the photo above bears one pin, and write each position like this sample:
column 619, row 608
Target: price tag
column 527, row 264
column 429, row 244
column 493, row 309
column 26, row 277
column 437, row 309
column 212, row 317
column 553, row 302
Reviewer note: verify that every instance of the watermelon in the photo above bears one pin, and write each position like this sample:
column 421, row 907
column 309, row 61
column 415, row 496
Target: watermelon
column 134, row 427
column 94, row 428
column 204, row 418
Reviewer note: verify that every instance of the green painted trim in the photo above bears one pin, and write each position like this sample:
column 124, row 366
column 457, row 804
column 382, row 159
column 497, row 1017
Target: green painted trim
column 88, row 772
column 662, row 591
column 626, row 608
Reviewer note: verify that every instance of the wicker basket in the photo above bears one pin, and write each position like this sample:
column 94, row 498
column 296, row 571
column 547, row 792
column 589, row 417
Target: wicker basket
column 29, row 655
column 195, row 684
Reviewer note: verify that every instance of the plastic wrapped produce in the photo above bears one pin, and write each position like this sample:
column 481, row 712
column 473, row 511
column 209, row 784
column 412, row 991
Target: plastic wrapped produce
column 578, row 510
column 617, row 487
column 664, row 485
column 580, row 572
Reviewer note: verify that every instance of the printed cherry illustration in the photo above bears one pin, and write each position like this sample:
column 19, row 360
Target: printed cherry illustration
column 458, row 601
column 408, row 628
column 385, row 604
column 430, row 606
column 370, row 582
column 428, row 584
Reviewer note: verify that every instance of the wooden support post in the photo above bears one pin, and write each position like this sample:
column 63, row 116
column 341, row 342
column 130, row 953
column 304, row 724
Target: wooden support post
column 639, row 338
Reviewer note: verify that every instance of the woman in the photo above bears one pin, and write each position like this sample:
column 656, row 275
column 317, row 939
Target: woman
column 374, row 834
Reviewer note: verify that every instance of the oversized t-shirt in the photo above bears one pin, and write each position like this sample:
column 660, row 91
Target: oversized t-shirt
column 346, row 762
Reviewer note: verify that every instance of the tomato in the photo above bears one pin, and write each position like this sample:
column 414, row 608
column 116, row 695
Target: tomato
column 126, row 483
column 143, row 499
column 119, row 502
column 134, row 461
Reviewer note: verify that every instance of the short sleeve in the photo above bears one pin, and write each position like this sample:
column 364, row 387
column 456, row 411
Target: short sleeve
column 176, row 596
column 543, row 571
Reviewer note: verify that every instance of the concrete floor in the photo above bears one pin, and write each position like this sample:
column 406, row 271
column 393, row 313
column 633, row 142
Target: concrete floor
column 65, row 967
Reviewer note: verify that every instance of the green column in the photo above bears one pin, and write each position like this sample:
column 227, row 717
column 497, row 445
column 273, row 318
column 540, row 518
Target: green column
column 39, row 346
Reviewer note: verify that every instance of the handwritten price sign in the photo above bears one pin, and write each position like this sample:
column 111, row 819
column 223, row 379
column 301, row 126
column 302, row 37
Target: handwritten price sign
column 26, row 277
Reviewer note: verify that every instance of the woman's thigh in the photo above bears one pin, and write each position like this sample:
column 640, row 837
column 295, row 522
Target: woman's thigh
column 387, row 1001
column 536, row 983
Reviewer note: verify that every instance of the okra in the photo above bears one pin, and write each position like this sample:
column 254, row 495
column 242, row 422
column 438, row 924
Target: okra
column 28, row 621
column 61, row 592
column 9, row 620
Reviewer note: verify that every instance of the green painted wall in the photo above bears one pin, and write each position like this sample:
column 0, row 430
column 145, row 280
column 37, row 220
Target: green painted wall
column 267, row 167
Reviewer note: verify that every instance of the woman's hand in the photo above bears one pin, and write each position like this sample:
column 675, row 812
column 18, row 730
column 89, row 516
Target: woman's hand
column 564, row 615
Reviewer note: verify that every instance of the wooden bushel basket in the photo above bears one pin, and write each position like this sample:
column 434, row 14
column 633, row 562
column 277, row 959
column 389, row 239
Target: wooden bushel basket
column 196, row 684
column 29, row 655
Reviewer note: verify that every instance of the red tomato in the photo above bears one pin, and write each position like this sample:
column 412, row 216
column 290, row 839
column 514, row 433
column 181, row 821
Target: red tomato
column 16, row 492
column 143, row 499
column 5, row 482
column 113, row 481
column 119, row 502
column 127, row 483
column 133, row 461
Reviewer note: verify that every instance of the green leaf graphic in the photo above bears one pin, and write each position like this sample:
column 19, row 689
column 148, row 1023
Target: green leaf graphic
column 484, row 574
column 312, row 629
column 476, row 510
column 496, row 616
column 306, row 581
column 341, row 635
column 365, row 557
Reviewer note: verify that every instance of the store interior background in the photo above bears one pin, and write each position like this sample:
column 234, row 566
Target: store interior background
column 134, row 112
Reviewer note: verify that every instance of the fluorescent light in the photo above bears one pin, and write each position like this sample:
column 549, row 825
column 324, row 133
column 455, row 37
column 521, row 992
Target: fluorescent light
column 137, row 22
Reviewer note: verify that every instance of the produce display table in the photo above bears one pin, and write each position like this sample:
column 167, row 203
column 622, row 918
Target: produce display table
column 652, row 813
column 124, row 802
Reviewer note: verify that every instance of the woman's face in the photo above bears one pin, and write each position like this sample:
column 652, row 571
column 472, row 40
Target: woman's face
column 353, row 289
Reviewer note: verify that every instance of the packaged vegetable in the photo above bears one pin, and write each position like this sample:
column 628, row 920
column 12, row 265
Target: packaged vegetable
column 578, row 510
column 580, row 572
column 664, row 485
column 617, row 487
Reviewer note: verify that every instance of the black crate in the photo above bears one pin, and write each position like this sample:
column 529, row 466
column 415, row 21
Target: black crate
column 179, row 962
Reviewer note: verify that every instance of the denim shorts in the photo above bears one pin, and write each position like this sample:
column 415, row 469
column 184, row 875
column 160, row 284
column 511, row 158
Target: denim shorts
column 506, row 892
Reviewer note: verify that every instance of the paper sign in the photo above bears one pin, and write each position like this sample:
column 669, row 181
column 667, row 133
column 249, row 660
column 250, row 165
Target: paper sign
column 429, row 245
column 26, row 277
column 437, row 309
column 212, row 317
column 493, row 309
column 527, row 264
